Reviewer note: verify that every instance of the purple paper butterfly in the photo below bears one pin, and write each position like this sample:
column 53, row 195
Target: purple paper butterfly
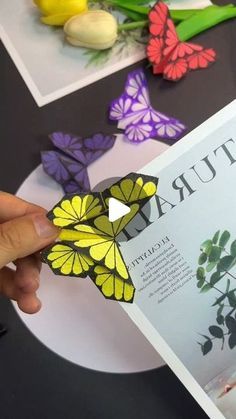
column 136, row 116
column 68, row 164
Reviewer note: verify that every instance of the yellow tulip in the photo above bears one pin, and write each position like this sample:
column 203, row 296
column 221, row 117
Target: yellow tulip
column 95, row 29
column 57, row 12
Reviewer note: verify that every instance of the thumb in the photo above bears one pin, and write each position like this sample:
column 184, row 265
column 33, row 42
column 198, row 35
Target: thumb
column 23, row 236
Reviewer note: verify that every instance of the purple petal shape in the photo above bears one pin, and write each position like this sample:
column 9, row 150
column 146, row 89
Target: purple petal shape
column 80, row 176
column 55, row 166
column 136, row 116
column 71, row 145
column 68, row 165
column 100, row 142
column 97, row 145
column 72, row 187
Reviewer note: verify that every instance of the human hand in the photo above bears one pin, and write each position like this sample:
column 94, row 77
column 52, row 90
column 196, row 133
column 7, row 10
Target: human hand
column 24, row 231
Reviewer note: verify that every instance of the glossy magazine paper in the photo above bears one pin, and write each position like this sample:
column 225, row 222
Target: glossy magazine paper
column 184, row 264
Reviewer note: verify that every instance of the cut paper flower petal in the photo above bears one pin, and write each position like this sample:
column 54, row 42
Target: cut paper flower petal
column 69, row 162
column 136, row 116
column 165, row 51
column 89, row 243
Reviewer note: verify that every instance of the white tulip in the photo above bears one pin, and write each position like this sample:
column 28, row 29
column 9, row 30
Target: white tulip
column 95, row 29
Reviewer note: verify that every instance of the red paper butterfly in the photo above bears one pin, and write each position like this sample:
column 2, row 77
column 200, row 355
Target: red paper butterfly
column 167, row 53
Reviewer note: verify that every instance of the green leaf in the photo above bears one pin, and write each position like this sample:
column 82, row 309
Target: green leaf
column 219, row 300
column 179, row 15
column 205, row 19
column 215, row 253
column 202, row 258
column 200, row 273
column 228, row 285
column 215, row 277
column 134, row 16
column 216, row 237
column 206, row 247
column 207, row 347
column 206, row 288
column 224, row 238
column 134, row 2
column 232, row 299
column 216, row 331
column 232, row 340
column 231, row 324
column 220, row 319
column 211, row 266
column 225, row 263
column 233, row 249
column 200, row 283
column 220, row 310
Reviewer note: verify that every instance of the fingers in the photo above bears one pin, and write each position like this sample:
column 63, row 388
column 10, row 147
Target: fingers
column 27, row 282
column 27, row 273
column 19, row 286
column 29, row 303
column 13, row 207
column 25, row 235
column 24, row 230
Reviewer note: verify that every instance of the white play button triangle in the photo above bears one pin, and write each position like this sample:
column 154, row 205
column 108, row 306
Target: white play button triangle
column 117, row 210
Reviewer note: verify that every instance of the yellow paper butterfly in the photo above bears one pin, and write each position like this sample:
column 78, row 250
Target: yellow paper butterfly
column 89, row 244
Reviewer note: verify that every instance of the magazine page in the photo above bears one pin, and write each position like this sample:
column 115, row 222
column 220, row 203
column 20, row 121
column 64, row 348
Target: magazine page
column 183, row 264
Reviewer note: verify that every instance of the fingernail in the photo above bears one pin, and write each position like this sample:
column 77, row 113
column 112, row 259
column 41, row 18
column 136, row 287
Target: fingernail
column 44, row 228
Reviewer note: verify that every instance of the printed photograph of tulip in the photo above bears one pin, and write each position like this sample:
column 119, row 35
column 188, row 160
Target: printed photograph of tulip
column 60, row 46
column 57, row 12
column 94, row 29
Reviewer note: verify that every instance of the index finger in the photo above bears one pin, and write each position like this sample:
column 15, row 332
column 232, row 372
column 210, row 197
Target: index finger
column 13, row 207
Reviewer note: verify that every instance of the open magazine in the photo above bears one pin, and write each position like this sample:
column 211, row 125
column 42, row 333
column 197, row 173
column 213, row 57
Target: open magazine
column 184, row 263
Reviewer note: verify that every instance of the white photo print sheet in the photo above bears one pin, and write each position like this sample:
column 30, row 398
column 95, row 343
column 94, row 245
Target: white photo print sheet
column 50, row 67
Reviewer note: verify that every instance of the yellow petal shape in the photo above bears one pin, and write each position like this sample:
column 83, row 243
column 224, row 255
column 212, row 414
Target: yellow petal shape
column 130, row 191
column 66, row 261
column 128, row 293
column 136, row 190
column 112, row 286
column 75, row 210
column 99, row 252
column 109, row 254
column 88, row 243
column 126, row 187
column 120, row 224
column 120, row 264
column 103, row 224
column 57, row 12
column 149, row 189
column 56, row 20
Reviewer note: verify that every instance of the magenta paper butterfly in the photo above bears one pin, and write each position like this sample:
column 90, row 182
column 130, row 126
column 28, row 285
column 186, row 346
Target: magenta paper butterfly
column 137, row 117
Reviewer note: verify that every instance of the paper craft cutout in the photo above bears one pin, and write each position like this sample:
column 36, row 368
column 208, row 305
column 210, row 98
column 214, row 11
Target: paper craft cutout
column 89, row 242
column 167, row 53
column 136, row 116
column 68, row 164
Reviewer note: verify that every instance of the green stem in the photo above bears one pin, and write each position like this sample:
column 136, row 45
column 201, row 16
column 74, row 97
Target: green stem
column 205, row 19
column 192, row 22
column 132, row 25
column 232, row 276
